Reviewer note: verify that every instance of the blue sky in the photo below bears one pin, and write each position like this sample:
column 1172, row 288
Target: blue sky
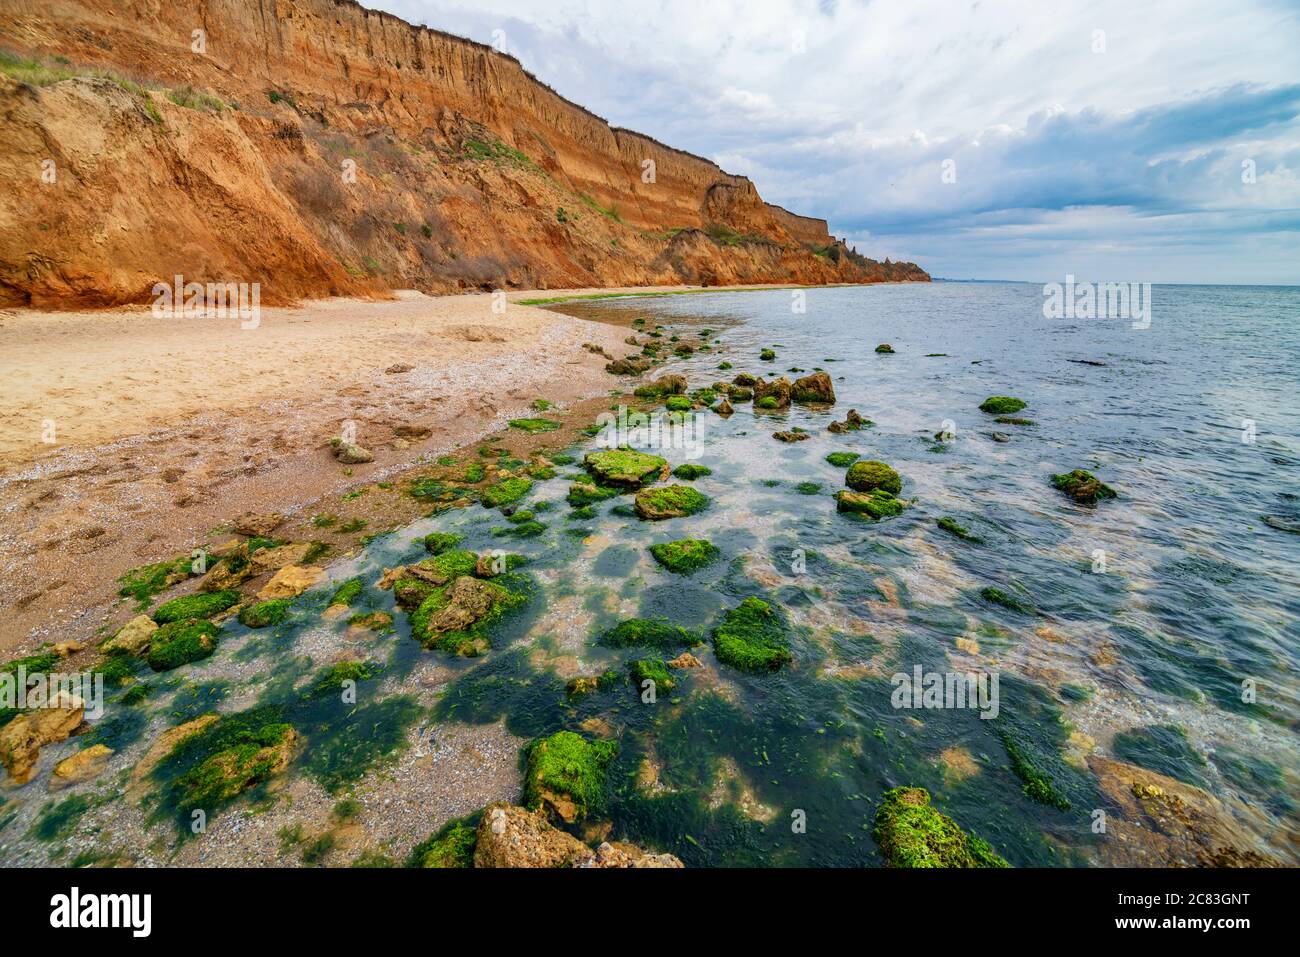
column 1113, row 139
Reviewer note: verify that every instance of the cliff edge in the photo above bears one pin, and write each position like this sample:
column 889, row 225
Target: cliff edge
column 320, row 148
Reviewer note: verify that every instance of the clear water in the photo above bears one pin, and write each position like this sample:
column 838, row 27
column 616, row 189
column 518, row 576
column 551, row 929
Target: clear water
column 1197, row 596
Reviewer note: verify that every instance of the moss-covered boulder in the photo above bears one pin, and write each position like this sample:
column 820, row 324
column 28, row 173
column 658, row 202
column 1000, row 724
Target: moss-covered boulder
column 654, row 670
column 953, row 527
column 877, row 503
column 348, row 592
column 506, row 492
column 439, row 542
column 566, row 775
column 690, row 471
column 670, row 501
column 744, row 380
column 180, row 642
column 815, row 388
column 685, row 555
column 678, row 403
column 649, row 633
column 451, row 846
column 1082, row 486
column 1002, row 404
column 265, row 613
column 869, row 475
column 198, row 605
column 624, row 467
column 842, row 460
column 911, row 833
column 455, row 617
column 772, row 395
column 752, row 637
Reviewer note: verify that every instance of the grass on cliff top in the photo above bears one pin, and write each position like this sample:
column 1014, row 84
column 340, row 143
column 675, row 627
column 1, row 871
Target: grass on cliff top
column 41, row 73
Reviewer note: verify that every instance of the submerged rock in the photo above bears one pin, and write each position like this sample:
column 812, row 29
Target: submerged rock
column 685, row 555
column 1002, row 404
column 743, row 379
column 877, row 503
column 1082, row 486
column 791, row 436
column 22, row 738
column 724, row 408
column 772, row 395
column 565, row 775
column 752, row 637
column 454, row 617
column 885, row 348
column 85, row 765
column 911, row 833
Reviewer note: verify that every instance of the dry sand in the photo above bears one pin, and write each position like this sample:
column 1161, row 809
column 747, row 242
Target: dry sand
column 165, row 428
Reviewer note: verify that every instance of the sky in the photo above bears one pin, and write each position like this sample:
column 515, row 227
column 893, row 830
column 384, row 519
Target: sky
column 1114, row 140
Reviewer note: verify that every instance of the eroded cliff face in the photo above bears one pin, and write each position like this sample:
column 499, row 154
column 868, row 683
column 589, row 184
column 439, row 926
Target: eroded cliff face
column 319, row 148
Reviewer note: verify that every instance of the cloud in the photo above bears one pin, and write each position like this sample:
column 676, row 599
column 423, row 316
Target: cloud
column 1125, row 126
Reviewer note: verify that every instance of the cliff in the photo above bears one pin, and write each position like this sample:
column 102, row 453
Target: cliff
column 321, row 148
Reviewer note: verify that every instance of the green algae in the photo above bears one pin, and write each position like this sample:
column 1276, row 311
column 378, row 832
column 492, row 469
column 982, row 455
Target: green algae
column 997, row 596
column 953, row 527
column 752, row 637
column 654, row 670
column 568, row 766
column 198, row 605
column 649, row 633
column 1162, row 748
column 690, row 472
column 182, row 642
column 146, row 581
column 842, row 460
column 877, row 503
column 808, row 488
column 1013, row 420
column 534, row 426
column 669, row 501
column 265, row 613
column 473, row 638
column 869, row 475
column 452, row 845
column 506, row 492
column 584, row 492
column 1002, row 405
column 58, row 819
column 912, row 833
column 685, row 555
column 624, row 467
column 331, row 680
column 348, row 592
column 678, row 403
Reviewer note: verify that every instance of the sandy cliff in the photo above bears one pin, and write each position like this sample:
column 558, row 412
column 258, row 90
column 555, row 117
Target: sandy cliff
column 320, row 148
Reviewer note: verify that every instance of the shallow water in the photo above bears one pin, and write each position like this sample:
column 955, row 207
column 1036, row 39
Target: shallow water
column 1198, row 594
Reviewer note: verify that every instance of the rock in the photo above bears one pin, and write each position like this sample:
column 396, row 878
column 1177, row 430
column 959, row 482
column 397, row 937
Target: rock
column 632, row 365
column 291, row 581
column 621, row 854
column 162, row 746
column 1084, row 487
column 911, row 833
column 814, row 388
column 22, row 738
column 258, row 524
column 877, row 503
column 397, row 368
column 390, row 576
column 624, row 467
column 686, row 660
column 1281, row 523
column 999, row 437
column 134, row 636
column 772, row 395
column 671, row 385
column 854, row 420
column 743, row 379
column 791, row 436
column 885, row 348
column 65, row 648
column 510, row 836
column 349, row 453
column 565, row 775
column 837, row 427
column 460, row 608
column 869, row 475
column 670, row 501
column 416, row 432
column 82, row 766
column 724, row 409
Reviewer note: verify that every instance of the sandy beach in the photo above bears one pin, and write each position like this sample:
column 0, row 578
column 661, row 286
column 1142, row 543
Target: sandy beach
column 161, row 430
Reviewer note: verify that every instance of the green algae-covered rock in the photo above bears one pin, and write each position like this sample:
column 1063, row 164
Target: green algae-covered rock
column 583, row 492
column 348, row 592
column 877, row 503
column 649, row 633
column 885, row 348
column 451, row 846
column 842, row 460
column 534, row 426
column 180, row 642
column 439, row 542
column 1002, row 404
column 506, row 492
column 265, row 613
column 566, row 775
column 870, row 475
column 200, row 605
column 685, row 555
column 911, row 833
column 651, row 669
column 624, row 467
column 1082, row 486
column 752, row 637
column 691, row 472
column 670, row 501
column 998, row 597
column 242, row 756
column 953, row 527
column 455, row 617
column 678, row 403
column 767, row 355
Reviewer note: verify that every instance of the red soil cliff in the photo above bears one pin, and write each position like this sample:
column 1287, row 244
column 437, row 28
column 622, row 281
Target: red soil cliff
column 320, row 148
